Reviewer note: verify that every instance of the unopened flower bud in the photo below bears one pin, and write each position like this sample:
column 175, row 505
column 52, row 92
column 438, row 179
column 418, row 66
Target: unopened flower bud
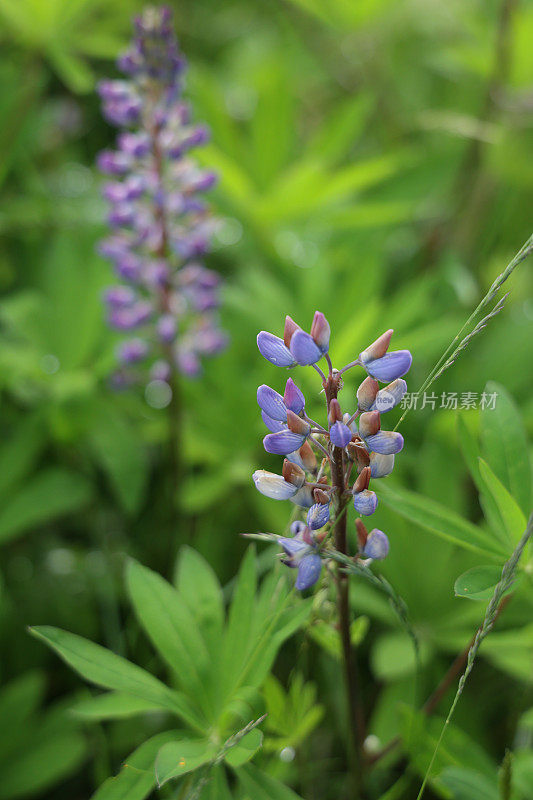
column 362, row 533
column 369, row 423
column 304, row 349
column 289, row 329
column 308, row 457
column 365, row 502
column 297, row 424
column 293, row 474
column 378, row 348
column 293, row 397
column 377, row 545
column 335, row 413
column 367, row 392
column 320, row 331
column 318, row 515
column 363, row 479
column 321, row 496
column 340, row 434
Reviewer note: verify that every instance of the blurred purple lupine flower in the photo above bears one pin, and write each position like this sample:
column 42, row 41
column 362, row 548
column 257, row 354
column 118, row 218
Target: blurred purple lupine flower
column 347, row 442
column 160, row 225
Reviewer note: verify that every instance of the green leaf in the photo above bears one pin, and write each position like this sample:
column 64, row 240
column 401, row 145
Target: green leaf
column 467, row 784
column 261, row 786
column 470, row 450
column 170, row 626
column 106, row 669
column 245, row 749
column 478, row 583
column 176, row 759
column 112, row 705
column 238, row 639
column 199, row 587
column 136, row 779
column 511, row 514
column 504, row 443
column 440, row 520
column 49, row 495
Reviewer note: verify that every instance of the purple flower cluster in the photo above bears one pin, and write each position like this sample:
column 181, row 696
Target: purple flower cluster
column 161, row 228
column 348, row 442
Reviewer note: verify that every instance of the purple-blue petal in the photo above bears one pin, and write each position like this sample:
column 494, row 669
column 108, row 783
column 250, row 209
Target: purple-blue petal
column 297, row 527
column 377, row 545
column 271, row 402
column 390, row 366
column 390, row 396
column 273, row 425
column 293, row 397
column 308, row 571
column 365, row 502
column 283, row 443
column 318, row 515
column 381, row 465
column 340, row 434
column 304, row 349
column 274, row 350
column 292, row 546
column 385, row 442
column 303, row 497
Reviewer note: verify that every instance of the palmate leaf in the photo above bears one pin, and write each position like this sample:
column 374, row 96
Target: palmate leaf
column 106, row 669
column 511, row 515
column 170, row 625
column 112, row 705
column 471, row 454
column 441, row 521
column 200, row 589
column 258, row 626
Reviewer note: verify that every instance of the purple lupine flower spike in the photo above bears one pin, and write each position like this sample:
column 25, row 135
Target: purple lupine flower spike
column 322, row 457
column 160, row 222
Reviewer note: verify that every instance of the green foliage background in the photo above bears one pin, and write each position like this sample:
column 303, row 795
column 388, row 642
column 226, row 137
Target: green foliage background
column 375, row 163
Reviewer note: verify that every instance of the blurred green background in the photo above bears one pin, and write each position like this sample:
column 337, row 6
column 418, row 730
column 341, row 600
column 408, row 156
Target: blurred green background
column 375, row 163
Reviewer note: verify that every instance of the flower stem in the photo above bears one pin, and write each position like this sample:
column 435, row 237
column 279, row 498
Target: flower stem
column 356, row 725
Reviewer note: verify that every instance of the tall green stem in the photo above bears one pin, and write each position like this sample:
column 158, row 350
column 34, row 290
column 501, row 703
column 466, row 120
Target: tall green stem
column 356, row 727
